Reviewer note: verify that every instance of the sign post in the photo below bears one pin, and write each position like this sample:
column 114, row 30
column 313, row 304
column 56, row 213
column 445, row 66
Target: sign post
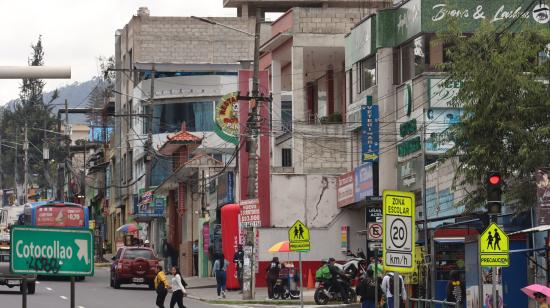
column 298, row 238
column 398, row 236
column 51, row 252
column 494, row 250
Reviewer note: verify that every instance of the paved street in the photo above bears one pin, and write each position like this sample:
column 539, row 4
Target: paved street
column 94, row 292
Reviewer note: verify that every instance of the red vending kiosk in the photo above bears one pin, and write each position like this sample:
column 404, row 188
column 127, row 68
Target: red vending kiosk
column 230, row 240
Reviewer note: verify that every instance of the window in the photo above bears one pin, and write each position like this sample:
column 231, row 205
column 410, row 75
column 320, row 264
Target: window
column 413, row 59
column 123, row 169
column 167, row 118
column 130, row 111
column 366, row 74
column 138, row 253
column 130, row 165
column 350, row 86
column 287, row 157
column 286, row 116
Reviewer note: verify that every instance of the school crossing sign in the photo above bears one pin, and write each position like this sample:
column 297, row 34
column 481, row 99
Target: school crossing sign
column 398, row 231
column 298, row 237
column 494, row 247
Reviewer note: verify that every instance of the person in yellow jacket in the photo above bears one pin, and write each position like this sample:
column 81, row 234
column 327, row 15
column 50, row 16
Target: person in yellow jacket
column 161, row 286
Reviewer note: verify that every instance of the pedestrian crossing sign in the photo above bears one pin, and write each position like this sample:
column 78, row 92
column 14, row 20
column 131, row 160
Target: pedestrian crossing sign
column 298, row 237
column 494, row 247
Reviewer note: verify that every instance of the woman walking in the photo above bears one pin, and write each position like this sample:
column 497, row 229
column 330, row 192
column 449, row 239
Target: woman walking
column 220, row 266
column 161, row 286
column 177, row 288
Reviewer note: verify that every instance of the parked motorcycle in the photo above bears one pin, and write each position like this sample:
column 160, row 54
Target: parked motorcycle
column 281, row 290
column 355, row 266
column 325, row 293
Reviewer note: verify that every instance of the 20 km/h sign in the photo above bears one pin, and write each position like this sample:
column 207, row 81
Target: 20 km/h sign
column 52, row 251
column 398, row 233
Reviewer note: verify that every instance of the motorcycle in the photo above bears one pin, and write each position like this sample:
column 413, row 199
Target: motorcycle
column 355, row 266
column 281, row 290
column 325, row 293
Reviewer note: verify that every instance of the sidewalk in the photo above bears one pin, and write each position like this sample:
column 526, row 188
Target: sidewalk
column 204, row 289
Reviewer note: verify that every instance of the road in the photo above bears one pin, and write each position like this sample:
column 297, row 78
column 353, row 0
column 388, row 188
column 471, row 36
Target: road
column 94, row 292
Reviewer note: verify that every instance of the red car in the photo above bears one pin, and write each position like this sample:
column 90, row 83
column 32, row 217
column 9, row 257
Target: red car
column 134, row 265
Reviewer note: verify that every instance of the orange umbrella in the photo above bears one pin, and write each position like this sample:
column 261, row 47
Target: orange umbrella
column 283, row 246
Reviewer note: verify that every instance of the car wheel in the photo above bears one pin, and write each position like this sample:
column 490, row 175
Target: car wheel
column 31, row 288
column 116, row 283
column 111, row 283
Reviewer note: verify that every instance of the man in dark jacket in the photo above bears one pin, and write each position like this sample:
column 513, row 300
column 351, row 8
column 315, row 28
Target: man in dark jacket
column 338, row 280
column 272, row 275
column 238, row 259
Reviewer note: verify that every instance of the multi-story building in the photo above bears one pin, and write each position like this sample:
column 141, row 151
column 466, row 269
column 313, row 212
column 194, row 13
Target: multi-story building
column 392, row 62
column 194, row 64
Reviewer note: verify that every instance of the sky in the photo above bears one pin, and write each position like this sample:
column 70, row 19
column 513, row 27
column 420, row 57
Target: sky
column 77, row 32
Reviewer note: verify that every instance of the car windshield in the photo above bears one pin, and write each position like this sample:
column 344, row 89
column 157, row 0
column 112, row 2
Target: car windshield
column 138, row 253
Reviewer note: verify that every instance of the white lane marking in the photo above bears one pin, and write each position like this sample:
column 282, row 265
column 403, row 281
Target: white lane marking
column 63, row 297
column 37, row 282
column 80, row 307
column 49, row 289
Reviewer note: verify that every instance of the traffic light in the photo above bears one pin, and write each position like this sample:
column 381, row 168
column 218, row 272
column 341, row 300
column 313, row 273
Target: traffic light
column 493, row 184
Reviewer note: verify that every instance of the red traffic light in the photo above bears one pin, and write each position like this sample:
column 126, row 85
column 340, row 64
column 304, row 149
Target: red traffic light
column 495, row 179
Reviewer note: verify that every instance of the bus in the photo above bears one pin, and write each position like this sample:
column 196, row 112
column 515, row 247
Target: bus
column 58, row 214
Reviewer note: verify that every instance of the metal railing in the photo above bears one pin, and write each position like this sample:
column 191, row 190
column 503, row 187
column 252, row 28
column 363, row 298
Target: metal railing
column 430, row 303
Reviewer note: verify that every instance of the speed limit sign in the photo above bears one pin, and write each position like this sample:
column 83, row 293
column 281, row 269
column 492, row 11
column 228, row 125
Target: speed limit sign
column 398, row 236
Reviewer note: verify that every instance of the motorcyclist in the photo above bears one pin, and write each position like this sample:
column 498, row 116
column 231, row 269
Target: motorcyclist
column 339, row 280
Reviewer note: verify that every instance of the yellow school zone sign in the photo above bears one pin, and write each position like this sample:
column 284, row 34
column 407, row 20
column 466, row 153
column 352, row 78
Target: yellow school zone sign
column 298, row 237
column 494, row 247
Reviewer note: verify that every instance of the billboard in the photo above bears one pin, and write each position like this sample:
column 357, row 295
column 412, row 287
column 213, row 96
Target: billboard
column 364, row 182
column 149, row 204
column 226, row 118
column 438, row 124
column 51, row 216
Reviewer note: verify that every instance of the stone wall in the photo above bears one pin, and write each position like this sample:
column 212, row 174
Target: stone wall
column 326, row 20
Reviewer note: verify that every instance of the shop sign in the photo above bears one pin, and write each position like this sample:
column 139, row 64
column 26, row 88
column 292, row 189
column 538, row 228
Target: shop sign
column 225, row 189
column 345, row 187
column 407, row 128
column 250, row 213
column 149, row 204
column 205, row 237
column 227, row 118
column 438, row 129
column 344, row 239
column 408, row 147
column 441, row 93
column 409, row 174
column 364, row 182
column 370, row 133
column 359, row 42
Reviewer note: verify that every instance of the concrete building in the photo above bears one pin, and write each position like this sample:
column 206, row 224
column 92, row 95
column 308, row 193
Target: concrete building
column 194, row 64
column 392, row 62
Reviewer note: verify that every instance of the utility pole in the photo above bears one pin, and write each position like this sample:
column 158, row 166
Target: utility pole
column 149, row 145
column 252, row 146
column 15, row 169
column 26, row 166
column 1, row 169
column 68, row 151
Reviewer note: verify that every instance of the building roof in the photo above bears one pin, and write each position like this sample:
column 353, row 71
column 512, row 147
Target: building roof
column 181, row 138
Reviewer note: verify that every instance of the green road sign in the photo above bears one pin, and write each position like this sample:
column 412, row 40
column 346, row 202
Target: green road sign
column 51, row 251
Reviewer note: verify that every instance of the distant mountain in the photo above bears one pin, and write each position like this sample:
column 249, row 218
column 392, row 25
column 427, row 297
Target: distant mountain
column 77, row 95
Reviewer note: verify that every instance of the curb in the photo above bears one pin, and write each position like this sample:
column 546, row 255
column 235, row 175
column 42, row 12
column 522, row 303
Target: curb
column 102, row 264
column 268, row 303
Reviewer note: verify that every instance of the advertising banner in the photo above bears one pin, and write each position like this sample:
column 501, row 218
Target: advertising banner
column 345, row 189
column 543, row 196
column 51, row 216
column 438, row 123
column 250, row 213
column 149, row 205
column 364, row 182
column 227, row 118
column 370, row 133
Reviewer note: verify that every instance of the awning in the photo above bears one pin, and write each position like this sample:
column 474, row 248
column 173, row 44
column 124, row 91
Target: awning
column 186, row 171
column 531, row 230
column 276, row 41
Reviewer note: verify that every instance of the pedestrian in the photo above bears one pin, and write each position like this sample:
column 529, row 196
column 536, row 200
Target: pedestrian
column 178, row 289
column 238, row 259
column 456, row 292
column 272, row 274
column 219, row 270
column 161, row 286
column 388, row 288
column 367, row 289
column 541, row 299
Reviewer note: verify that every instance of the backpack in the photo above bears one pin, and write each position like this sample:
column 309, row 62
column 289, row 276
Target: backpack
column 323, row 273
column 392, row 286
column 366, row 289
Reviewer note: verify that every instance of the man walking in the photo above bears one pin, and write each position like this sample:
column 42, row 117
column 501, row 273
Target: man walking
column 388, row 288
column 238, row 259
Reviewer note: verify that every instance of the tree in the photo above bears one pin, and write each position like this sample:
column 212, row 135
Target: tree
column 37, row 115
column 506, row 102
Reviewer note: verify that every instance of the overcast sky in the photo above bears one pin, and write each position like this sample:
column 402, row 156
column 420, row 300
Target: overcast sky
column 76, row 32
